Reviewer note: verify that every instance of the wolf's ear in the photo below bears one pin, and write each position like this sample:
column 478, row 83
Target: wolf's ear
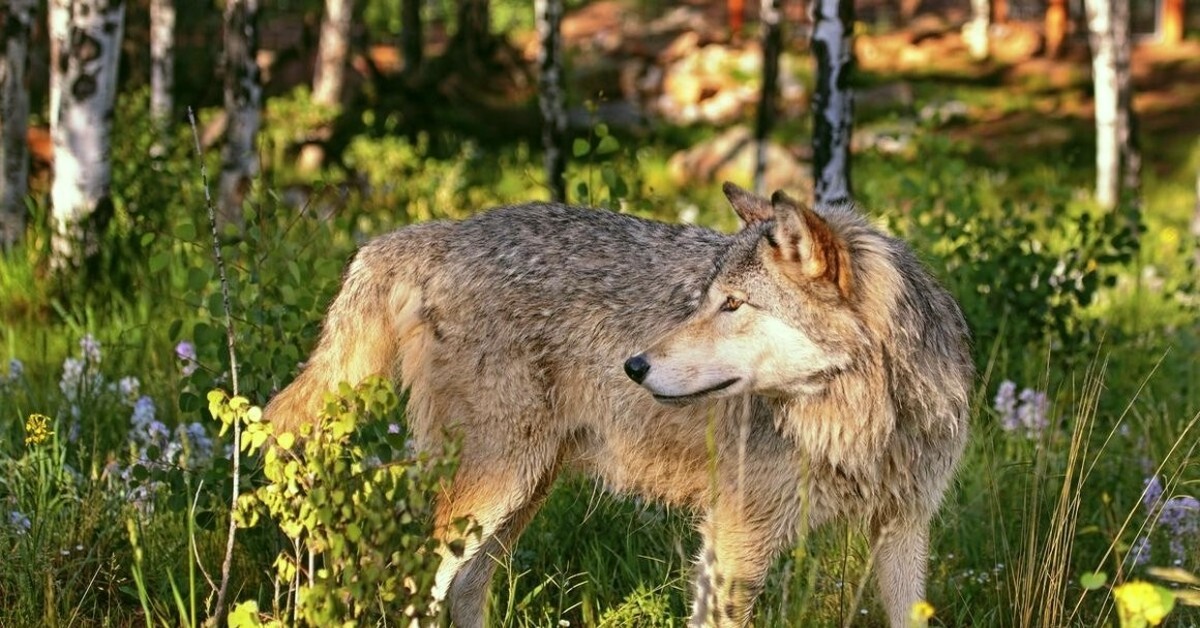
column 750, row 207
column 808, row 245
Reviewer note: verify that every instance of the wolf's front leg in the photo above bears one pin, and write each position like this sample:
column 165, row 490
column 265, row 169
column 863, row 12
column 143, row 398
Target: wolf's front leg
column 901, row 548
column 738, row 550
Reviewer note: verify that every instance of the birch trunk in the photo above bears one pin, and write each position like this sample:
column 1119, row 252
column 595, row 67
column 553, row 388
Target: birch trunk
column 550, row 95
column 833, row 101
column 243, row 100
column 1127, row 137
column 975, row 33
column 87, row 36
column 162, row 72
column 329, row 76
column 1106, row 80
column 14, row 117
column 1196, row 223
column 332, row 52
column 772, row 43
column 412, row 41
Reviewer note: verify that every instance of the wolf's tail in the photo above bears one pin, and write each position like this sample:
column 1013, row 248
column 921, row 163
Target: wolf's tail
column 373, row 327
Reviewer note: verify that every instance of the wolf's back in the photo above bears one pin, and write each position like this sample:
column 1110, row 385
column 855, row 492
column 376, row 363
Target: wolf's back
column 371, row 324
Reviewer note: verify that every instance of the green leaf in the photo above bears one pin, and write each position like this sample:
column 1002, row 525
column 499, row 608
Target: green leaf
column 608, row 144
column 159, row 261
column 580, row 147
column 1093, row 580
column 185, row 231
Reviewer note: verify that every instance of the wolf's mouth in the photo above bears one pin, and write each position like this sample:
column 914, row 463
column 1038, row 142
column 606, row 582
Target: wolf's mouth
column 681, row 399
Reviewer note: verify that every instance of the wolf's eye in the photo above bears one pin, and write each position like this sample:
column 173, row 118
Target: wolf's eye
column 731, row 303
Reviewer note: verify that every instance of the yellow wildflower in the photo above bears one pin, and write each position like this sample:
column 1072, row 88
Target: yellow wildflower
column 919, row 615
column 1141, row 603
column 37, row 429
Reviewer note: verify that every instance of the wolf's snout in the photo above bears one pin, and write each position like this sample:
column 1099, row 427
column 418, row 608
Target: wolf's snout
column 637, row 367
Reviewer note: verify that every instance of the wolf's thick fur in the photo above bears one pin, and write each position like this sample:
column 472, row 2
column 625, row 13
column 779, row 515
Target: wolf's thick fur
column 832, row 368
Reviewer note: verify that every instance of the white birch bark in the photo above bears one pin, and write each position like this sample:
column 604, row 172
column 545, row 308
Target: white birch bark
column 1127, row 138
column 548, row 16
column 14, row 118
column 162, row 71
column 833, row 100
column 243, row 102
column 87, row 37
column 975, row 32
column 772, row 42
column 1107, row 100
column 329, row 75
column 1196, row 222
column 332, row 51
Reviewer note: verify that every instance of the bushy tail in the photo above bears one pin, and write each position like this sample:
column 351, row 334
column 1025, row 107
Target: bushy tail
column 374, row 320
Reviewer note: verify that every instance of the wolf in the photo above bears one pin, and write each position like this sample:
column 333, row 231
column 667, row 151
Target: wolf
column 804, row 369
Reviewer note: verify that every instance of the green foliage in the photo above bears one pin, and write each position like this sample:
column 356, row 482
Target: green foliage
column 352, row 499
column 1023, row 268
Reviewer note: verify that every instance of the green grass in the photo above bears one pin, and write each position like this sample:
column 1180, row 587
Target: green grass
column 1026, row 517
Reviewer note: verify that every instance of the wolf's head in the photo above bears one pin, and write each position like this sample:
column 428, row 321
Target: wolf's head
column 778, row 318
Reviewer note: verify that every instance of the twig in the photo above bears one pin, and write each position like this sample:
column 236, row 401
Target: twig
column 217, row 616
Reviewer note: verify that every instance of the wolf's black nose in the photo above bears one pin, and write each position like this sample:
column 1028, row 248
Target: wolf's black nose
column 637, row 367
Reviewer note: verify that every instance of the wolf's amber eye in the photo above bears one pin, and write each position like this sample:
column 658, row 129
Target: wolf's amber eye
column 731, row 304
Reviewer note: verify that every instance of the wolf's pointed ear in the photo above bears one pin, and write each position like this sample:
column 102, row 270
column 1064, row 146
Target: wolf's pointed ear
column 808, row 245
column 750, row 207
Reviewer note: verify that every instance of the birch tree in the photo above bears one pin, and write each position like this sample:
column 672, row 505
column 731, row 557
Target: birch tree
column 243, row 100
column 17, row 19
column 833, row 101
column 772, row 44
column 162, row 72
column 329, row 76
column 550, row 95
column 975, row 33
column 1108, row 35
column 87, row 39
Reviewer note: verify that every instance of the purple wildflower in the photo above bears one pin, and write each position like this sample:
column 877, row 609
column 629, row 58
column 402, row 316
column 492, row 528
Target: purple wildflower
column 91, row 349
column 1006, row 404
column 15, row 370
column 186, row 352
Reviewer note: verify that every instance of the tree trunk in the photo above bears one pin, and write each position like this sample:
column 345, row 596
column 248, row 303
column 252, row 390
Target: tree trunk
column 329, row 76
column 1111, row 125
column 550, row 95
column 975, row 32
column 474, row 34
column 772, row 44
column 1127, row 136
column 162, row 72
column 243, row 101
column 999, row 11
column 14, row 116
column 1170, row 30
column 83, row 93
column 1196, row 223
column 833, row 101
column 1055, row 26
column 334, row 48
column 412, row 41
column 737, row 16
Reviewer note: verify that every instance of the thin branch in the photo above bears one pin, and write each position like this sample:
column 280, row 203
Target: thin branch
column 218, row 614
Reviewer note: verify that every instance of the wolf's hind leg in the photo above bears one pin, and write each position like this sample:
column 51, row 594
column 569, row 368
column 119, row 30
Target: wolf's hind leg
column 901, row 548
column 500, row 499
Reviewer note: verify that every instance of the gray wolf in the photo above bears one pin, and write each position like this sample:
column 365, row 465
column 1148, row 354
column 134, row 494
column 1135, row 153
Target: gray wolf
column 830, row 369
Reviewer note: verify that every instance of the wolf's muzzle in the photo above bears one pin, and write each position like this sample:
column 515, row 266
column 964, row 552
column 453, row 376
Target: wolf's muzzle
column 637, row 367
